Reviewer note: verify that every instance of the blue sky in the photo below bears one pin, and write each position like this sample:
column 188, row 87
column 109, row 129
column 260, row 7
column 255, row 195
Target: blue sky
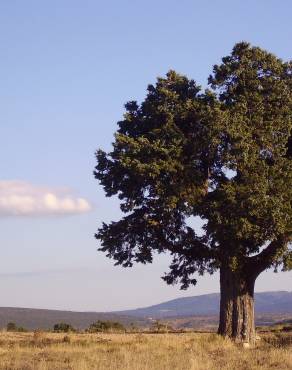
column 67, row 68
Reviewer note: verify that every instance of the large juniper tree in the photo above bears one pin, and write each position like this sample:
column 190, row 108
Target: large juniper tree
column 224, row 155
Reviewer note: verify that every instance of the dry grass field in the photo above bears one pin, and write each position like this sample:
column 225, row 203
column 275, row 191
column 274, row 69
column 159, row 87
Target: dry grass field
column 48, row 351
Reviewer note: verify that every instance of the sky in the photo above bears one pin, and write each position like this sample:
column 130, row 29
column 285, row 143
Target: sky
column 67, row 68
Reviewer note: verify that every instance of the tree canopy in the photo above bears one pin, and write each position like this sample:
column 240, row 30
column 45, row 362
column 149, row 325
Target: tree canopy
column 223, row 154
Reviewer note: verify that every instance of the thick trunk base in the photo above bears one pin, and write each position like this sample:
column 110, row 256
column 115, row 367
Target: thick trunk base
column 237, row 306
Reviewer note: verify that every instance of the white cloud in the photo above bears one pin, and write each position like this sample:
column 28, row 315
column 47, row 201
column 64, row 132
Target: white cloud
column 21, row 198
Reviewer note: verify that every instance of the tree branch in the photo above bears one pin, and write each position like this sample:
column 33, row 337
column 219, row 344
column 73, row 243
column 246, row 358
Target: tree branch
column 268, row 256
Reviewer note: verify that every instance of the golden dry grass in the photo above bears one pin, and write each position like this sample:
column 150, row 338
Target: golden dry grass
column 46, row 351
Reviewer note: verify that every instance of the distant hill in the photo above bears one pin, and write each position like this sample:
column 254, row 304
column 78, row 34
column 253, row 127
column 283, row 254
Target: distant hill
column 208, row 304
column 194, row 311
column 30, row 318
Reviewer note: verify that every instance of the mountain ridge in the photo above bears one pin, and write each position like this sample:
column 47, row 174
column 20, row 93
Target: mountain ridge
column 273, row 302
column 208, row 304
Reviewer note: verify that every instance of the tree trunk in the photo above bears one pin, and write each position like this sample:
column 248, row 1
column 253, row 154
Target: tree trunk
column 237, row 306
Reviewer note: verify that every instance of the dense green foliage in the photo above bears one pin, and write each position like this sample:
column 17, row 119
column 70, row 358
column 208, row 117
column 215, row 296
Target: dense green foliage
column 223, row 155
column 104, row 326
column 63, row 327
column 12, row 327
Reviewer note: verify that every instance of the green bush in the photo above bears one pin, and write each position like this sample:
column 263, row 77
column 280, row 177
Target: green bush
column 21, row 329
column 11, row 326
column 63, row 327
column 104, row 326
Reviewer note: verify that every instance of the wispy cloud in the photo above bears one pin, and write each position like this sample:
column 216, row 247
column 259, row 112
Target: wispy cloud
column 28, row 274
column 45, row 272
column 21, row 198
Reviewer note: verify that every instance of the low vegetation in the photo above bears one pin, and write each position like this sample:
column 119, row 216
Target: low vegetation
column 125, row 351
column 11, row 326
column 106, row 326
column 63, row 327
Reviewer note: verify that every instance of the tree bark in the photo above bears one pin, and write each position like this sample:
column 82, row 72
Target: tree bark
column 237, row 306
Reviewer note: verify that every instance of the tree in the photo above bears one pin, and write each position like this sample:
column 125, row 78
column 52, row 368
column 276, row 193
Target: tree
column 104, row 326
column 63, row 327
column 11, row 326
column 223, row 155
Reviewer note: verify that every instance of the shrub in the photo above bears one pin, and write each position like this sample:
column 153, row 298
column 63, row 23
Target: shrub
column 63, row 327
column 161, row 327
column 11, row 326
column 21, row 329
column 101, row 326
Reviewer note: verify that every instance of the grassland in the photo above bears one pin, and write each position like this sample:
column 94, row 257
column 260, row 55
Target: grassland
column 48, row 351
